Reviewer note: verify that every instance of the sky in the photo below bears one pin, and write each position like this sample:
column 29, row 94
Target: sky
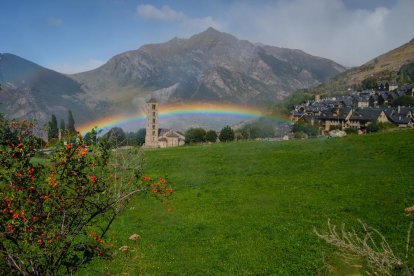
column 72, row 36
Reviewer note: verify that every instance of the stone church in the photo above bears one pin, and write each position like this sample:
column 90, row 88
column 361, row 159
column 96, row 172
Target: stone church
column 156, row 137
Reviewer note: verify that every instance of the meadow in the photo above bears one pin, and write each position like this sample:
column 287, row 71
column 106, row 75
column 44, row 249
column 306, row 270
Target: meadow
column 251, row 207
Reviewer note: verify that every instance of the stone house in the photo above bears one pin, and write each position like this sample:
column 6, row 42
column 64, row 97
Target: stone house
column 334, row 118
column 170, row 138
column 362, row 117
column 400, row 116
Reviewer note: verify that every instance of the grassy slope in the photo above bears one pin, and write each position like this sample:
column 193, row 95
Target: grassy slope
column 385, row 67
column 250, row 208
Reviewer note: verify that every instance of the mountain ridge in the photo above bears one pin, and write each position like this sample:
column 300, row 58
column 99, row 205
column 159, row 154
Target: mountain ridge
column 31, row 91
column 384, row 67
column 208, row 66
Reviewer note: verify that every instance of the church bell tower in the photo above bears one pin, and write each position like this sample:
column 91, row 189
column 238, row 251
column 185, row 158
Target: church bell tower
column 151, row 136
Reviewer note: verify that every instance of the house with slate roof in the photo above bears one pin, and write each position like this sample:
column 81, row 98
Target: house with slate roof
column 334, row 118
column 400, row 116
column 357, row 110
column 362, row 117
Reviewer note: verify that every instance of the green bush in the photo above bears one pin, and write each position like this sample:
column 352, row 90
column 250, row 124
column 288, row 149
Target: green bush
column 376, row 127
column 335, row 127
column 351, row 131
column 300, row 135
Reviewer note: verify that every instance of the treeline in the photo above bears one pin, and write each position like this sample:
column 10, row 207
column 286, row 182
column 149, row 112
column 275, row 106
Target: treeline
column 65, row 129
column 200, row 135
column 117, row 137
column 261, row 128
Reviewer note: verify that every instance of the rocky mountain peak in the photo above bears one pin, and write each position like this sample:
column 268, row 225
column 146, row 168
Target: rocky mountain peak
column 210, row 65
column 212, row 34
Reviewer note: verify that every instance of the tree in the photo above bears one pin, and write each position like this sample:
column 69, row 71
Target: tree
column 55, row 216
column 195, row 135
column 404, row 100
column 211, row 136
column 261, row 128
column 62, row 125
column 226, row 134
column 306, row 128
column 406, row 73
column 116, row 137
column 369, row 83
column 141, row 136
column 241, row 134
column 71, row 123
column 91, row 138
column 53, row 131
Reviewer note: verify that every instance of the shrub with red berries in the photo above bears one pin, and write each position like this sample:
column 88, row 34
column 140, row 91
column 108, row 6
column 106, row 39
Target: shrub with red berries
column 54, row 214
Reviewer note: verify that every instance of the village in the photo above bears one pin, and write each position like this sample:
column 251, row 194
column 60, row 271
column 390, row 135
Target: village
column 357, row 110
column 352, row 113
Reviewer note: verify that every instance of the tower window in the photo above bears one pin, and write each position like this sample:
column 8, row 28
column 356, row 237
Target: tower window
column 153, row 107
column 153, row 121
column 153, row 114
column 153, row 133
column 153, row 126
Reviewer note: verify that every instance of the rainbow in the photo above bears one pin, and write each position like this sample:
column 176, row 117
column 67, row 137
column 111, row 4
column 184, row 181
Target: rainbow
column 177, row 111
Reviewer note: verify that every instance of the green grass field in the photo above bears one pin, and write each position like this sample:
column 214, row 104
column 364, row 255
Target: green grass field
column 251, row 207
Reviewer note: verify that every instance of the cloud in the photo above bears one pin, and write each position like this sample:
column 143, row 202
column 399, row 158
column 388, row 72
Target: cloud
column 54, row 21
column 326, row 28
column 76, row 66
column 165, row 13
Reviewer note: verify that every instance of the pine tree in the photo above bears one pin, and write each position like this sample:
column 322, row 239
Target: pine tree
column 53, row 130
column 71, row 123
column 62, row 125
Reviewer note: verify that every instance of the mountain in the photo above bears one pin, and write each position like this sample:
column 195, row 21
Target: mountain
column 209, row 66
column 384, row 68
column 34, row 92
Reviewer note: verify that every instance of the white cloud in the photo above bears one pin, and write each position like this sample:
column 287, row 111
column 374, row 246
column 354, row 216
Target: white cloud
column 165, row 13
column 326, row 28
column 76, row 66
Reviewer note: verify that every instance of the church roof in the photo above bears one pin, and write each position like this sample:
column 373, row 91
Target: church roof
column 152, row 100
column 171, row 134
column 162, row 131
